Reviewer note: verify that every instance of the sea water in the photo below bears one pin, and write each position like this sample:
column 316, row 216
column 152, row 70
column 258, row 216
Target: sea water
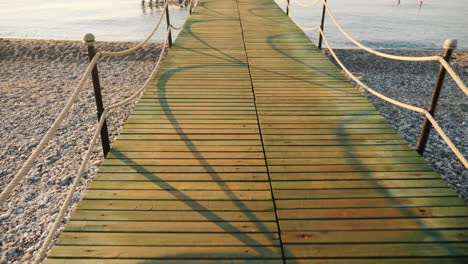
column 108, row 20
column 376, row 23
column 392, row 24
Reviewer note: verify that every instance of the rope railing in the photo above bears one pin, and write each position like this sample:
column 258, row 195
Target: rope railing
column 141, row 44
column 62, row 115
column 398, row 103
column 138, row 93
column 373, row 51
column 454, row 75
column 441, row 60
column 68, row 199
column 299, row 3
column 181, row 26
column 53, row 230
column 450, row 44
column 19, row 176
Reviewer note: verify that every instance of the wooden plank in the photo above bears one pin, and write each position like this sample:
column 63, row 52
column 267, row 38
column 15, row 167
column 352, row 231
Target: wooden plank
column 357, row 184
column 133, row 167
column 333, row 148
column 401, row 236
column 345, row 160
column 394, row 202
column 375, row 224
column 357, row 166
column 119, row 148
column 197, row 214
column 160, row 261
column 190, row 131
column 181, row 186
column 177, row 195
column 202, row 176
column 171, row 226
column 419, row 260
column 184, row 155
column 162, row 205
column 343, row 155
column 361, row 213
column 363, row 193
column 149, row 144
column 358, row 175
column 167, row 253
column 168, row 239
column 185, row 162
column 379, row 250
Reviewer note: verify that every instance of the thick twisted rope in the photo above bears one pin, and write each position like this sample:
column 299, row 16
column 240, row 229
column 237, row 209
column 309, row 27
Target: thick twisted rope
column 303, row 28
column 53, row 230
column 50, row 133
column 299, row 3
column 138, row 93
column 45, row 140
column 381, row 54
column 454, row 75
column 66, row 204
column 178, row 28
column 400, row 104
column 441, row 60
column 185, row 21
column 181, row 26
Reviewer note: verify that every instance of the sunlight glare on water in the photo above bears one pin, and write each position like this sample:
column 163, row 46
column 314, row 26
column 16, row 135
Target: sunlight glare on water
column 376, row 23
column 386, row 24
column 116, row 20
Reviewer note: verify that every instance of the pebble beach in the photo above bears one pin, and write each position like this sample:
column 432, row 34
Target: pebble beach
column 37, row 77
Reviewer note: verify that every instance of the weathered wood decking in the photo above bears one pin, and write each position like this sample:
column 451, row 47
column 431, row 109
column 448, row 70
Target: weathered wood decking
column 251, row 147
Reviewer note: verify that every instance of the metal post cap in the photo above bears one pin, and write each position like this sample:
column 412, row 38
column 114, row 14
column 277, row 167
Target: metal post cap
column 89, row 39
column 450, row 44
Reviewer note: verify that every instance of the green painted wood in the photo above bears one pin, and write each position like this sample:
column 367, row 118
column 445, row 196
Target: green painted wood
column 162, row 261
column 250, row 146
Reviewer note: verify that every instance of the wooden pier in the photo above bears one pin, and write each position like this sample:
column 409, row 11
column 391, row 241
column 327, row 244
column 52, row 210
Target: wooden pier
column 250, row 146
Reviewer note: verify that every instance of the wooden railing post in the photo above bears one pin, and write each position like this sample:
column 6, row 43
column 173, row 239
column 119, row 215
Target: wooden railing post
column 450, row 45
column 322, row 25
column 89, row 40
column 168, row 24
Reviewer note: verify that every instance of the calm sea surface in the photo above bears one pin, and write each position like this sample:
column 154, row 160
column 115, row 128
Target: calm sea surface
column 376, row 23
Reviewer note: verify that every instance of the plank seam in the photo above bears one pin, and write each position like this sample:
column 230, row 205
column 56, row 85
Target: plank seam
column 280, row 239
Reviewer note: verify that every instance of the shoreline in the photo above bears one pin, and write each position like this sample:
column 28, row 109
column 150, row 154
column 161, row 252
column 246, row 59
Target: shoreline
column 36, row 77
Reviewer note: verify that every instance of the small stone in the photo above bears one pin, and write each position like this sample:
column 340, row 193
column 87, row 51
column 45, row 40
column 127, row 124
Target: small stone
column 30, row 250
column 12, row 251
column 26, row 256
column 6, row 215
column 76, row 196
